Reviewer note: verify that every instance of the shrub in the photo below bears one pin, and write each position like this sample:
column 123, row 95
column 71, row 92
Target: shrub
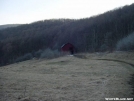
column 38, row 53
column 27, row 56
column 48, row 53
column 103, row 48
column 126, row 43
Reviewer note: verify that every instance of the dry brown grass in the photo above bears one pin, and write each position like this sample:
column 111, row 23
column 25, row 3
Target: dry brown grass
column 67, row 78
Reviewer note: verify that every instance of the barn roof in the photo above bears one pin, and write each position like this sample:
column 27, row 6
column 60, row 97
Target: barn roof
column 65, row 44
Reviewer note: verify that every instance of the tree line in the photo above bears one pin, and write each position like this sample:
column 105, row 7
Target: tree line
column 98, row 33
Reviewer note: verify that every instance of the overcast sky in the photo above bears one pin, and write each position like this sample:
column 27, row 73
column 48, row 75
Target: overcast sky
column 27, row 11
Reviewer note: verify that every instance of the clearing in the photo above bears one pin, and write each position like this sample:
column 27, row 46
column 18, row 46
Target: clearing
column 84, row 77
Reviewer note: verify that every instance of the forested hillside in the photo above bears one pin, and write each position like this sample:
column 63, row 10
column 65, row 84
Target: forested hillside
column 98, row 33
column 8, row 26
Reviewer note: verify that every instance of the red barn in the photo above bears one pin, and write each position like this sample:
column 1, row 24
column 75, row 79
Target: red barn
column 68, row 47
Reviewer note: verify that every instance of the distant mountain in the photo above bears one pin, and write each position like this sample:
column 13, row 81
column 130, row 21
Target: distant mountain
column 8, row 26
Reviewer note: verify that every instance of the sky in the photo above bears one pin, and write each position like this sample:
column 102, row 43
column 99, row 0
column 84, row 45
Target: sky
column 28, row 11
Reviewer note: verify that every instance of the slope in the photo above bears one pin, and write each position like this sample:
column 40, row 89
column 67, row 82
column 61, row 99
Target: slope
column 97, row 33
column 8, row 26
column 67, row 79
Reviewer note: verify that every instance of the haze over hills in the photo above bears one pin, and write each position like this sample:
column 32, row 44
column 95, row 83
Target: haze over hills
column 8, row 26
column 105, row 32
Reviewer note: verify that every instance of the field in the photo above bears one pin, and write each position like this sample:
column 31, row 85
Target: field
column 83, row 77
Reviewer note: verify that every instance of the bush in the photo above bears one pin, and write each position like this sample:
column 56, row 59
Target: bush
column 48, row 53
column 38, row 53
column 103, row 48
column 126, row 43
column 27, row 56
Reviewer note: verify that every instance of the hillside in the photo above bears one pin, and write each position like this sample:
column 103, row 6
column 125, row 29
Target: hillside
column 83, row 77
column 104, row 32
column 8, row 26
